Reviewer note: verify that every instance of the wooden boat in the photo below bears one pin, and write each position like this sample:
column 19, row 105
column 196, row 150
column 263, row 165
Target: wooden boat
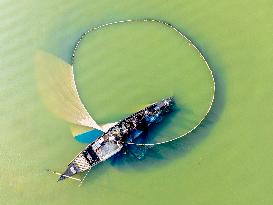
column 117, row 137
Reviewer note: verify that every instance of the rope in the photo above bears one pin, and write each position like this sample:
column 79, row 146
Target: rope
column 171, row 26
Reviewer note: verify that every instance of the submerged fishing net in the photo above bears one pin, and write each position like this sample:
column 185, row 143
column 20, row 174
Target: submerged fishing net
column 58, row 90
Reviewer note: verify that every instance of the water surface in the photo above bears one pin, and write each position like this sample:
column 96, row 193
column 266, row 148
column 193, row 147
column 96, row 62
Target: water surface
column 227, row 161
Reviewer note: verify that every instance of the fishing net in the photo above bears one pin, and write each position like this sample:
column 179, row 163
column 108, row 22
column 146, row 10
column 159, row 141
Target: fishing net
column 59, row 93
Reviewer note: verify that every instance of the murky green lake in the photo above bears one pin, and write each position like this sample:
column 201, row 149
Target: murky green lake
column 118, row 70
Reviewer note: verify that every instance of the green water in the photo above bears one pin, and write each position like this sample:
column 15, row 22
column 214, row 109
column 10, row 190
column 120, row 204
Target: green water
column 226, row 161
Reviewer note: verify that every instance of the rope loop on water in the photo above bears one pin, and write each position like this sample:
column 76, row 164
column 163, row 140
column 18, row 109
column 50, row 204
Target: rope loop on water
column 171, row 26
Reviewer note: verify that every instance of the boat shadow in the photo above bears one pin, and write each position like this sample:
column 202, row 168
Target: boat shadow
column 162, row 154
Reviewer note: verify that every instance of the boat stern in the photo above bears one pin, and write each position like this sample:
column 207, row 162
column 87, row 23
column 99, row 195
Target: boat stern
column 79, row 164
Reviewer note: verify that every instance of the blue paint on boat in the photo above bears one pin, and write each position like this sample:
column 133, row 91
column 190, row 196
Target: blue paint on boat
column 89, row 136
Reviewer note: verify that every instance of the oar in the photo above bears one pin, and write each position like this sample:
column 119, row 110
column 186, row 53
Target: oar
column 57, row 173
